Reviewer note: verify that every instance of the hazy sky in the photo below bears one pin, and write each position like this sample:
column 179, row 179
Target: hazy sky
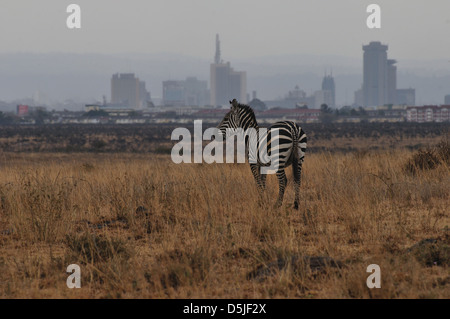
column 414, row 29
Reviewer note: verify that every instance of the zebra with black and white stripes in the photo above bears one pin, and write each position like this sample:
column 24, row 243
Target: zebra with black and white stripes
column 284, row 142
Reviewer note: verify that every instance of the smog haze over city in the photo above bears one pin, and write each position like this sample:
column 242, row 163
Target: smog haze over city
column 278, row 44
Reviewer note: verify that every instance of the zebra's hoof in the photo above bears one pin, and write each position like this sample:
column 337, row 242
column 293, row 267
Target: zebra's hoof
column 295, row 205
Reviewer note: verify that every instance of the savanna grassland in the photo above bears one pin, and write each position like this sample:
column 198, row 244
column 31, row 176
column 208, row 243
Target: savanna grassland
column 140, row 226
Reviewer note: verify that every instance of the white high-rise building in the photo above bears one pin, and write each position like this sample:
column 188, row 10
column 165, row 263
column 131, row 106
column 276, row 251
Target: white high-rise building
column 226, row 83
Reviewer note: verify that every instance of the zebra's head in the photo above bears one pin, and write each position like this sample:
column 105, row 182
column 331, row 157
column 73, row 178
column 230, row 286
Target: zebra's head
column 230, row 120
column 239, row 116
column 229, row 123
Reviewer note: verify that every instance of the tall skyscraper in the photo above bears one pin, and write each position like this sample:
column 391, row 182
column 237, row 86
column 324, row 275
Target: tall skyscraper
column 380, row 80
column 380, row 76
column 375, row 74
column 226, row 84
column 128, row 91
column 217, row 56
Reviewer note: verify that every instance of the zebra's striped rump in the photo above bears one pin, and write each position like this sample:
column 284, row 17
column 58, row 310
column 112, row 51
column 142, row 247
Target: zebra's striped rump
column 280, row 139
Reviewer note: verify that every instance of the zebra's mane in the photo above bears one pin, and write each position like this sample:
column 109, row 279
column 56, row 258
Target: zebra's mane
column 248, row 110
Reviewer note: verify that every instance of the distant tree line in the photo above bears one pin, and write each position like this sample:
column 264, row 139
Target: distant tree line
column 328, row 115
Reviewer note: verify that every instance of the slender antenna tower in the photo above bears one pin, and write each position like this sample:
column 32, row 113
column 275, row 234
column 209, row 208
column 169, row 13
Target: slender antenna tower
column 217, row 57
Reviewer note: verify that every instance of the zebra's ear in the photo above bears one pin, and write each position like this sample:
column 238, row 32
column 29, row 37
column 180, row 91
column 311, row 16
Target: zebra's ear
column 234, row 105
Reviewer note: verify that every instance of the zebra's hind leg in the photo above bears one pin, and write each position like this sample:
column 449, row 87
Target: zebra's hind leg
column 258, row 177
column 263, row 181
column 297, row 178
column 282, row 182
column 260, row 183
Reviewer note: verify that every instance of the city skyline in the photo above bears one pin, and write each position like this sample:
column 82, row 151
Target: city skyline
column 293, row 76
column 295, row 68
column 379, row 86
column 297, row 76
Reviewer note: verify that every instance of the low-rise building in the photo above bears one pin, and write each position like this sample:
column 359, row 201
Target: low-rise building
column 428, row 113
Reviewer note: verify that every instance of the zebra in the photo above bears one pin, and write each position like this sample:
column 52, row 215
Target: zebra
column 291, row 141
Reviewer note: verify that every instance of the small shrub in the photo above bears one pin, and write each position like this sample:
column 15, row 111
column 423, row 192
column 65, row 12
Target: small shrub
column 422, row 160
column 184, row 268
column 92, row 248
column 98, row 144
column 432, row 252
column 443, row 151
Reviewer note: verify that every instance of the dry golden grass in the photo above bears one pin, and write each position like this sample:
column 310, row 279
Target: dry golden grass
column 206, row 227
